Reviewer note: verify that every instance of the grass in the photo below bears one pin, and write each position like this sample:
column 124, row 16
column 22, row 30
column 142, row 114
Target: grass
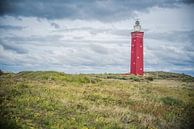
column 55, row 100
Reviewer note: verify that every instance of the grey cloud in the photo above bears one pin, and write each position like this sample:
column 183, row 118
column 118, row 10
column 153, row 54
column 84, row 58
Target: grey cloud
column 168, row 56
column 78, row 37
column 171, row 51
column 99, row 49
column 92, row 55
column 95, row 31
column 90, row 29
column 10, row 27
column 188, row 1
column 76, row 9
column 55, row 25
column 13, row 47
column 5, row 7
column 56, row 39
column 173, row 36
column 34, row 38
column 189, row 48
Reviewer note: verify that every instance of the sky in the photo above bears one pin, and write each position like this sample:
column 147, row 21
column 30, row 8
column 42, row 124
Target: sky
column 94, row 36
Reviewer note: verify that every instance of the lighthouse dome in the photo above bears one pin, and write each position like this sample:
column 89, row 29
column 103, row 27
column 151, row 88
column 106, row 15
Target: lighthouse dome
column 137, row 26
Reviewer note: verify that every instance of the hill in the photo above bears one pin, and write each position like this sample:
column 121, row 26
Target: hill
column 56, row 100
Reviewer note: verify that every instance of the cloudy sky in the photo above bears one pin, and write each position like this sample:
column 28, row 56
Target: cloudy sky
column 93, row 36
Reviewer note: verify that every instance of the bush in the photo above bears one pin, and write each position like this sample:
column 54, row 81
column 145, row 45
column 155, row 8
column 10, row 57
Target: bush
column 150, row 78
column 187, row 78
column 135, row 78
column 116, row 76
column 171, row 101
column 1, row 72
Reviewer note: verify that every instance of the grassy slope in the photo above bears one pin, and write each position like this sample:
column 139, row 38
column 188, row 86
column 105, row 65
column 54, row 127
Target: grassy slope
column 57, row 100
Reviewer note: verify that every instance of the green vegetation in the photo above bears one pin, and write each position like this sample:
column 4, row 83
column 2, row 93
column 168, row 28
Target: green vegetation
column 171, row 101
column 56, row 100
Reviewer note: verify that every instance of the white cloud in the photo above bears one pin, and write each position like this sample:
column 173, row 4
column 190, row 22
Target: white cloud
column 94, row 46
column 160, row 19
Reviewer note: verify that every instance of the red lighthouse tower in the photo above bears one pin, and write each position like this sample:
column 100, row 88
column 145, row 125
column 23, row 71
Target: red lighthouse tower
column 137, row 66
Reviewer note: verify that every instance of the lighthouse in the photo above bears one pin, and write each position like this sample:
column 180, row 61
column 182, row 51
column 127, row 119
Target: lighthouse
column 137, row 65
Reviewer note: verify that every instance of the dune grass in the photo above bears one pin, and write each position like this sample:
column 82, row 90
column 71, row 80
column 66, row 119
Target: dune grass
column 56, row 100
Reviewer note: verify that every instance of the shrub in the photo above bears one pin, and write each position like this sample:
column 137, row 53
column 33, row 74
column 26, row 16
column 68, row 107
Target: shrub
column 187, row 79
column 171, row 101
column 134, row 78
column 150, row 78
column 1, row 72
